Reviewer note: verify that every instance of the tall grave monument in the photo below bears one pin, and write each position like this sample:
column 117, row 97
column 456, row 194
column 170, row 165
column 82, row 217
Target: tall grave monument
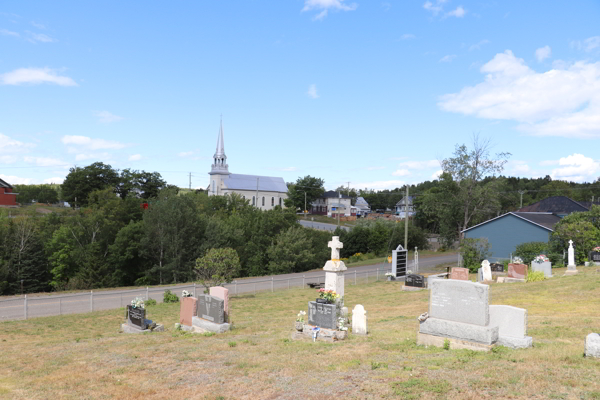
column 334, row 270
column 571, row 268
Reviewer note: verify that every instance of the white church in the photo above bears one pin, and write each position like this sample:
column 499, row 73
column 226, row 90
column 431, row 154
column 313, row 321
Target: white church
column 264, row 192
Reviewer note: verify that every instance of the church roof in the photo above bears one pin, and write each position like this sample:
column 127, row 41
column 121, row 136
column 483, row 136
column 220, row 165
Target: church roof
column 248, row 182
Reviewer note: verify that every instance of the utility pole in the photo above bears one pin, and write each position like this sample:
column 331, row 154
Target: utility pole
column 406, row 220
column 305, row 205
column 521, row 192
column 338, row 208
column 190, row 181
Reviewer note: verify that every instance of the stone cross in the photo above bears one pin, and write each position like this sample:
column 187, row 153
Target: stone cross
column 335, row 246
column 571, row 255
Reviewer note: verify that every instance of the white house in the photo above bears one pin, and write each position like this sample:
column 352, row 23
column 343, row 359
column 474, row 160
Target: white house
column 332, row 203
column 400, row 208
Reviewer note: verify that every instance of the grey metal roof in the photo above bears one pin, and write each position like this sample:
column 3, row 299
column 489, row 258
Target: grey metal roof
column 544, row 220
column 248, row 182
column 334, row 194
column 555, row 204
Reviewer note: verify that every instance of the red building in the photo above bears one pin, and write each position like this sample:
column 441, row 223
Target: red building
column 7, row 197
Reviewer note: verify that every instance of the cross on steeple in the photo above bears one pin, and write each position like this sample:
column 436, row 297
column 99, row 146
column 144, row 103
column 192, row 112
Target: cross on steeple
column 335, row 246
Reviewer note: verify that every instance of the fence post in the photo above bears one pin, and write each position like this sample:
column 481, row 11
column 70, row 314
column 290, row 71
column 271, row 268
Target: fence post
column 91, row 300
column 25, row 306
column 271, row 284
column 303, row 282
column 146, row 293
column 355, row 276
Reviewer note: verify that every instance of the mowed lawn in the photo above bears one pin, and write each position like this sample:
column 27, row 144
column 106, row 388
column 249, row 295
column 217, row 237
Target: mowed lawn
column 85, row 357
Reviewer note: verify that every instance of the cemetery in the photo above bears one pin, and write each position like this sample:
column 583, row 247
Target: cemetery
column 471, row 340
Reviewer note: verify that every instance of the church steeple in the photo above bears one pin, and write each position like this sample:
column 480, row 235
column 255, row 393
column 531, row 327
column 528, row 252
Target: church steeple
column 220, row 159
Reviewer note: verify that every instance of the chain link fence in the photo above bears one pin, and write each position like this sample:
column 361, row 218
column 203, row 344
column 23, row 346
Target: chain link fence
column 42, row 306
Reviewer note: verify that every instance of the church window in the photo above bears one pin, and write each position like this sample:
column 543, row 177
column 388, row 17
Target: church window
column 253, row 200
column 263, row 202
column 272, row 201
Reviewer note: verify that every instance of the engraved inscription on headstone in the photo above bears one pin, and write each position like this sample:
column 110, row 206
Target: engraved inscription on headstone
column 496, row 267
column 460, row 301
column 415, row 281
column 136, row 316
column 211, row 308
column 322, row 315
column 594, row 256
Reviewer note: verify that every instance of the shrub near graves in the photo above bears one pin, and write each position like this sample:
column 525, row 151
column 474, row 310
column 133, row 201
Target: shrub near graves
column 473, row 252
column 169, row 297
column 528, row 251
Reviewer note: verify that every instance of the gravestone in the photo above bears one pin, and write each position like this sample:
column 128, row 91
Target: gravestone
column 496, row 267
column 461, row 274
column 188, row 310
column 512, row 326
column 571, row 267
column 322, row 315
column 334, row 270
column 415, row 281
column 399, row 262
column 221, row 293
column 517, row 271
column 594, row 256
column 136, row 316
column 592, row 345
column 359, row 320
column 211, row 309
column 486, row 271
column 545, row 267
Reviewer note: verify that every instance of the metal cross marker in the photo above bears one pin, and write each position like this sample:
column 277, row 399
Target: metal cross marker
column 335, row 246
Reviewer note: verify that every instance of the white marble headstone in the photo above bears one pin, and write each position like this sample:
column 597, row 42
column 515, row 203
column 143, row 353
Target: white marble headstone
column 359, row 320
column 486, row 270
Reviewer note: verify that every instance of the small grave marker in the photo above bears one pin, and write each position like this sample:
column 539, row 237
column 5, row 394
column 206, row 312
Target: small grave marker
column 461, row 274
column 136, row 316
column 211, row 308
column 415, row 281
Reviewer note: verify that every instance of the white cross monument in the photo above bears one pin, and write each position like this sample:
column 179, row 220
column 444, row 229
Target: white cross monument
column 334, row 269
column 571, row 267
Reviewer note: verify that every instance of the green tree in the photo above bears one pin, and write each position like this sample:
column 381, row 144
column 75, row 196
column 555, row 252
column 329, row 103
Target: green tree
column 82, row 181
column 145, row 185
column 310, row 186
column 217, row 266
column 290, row 251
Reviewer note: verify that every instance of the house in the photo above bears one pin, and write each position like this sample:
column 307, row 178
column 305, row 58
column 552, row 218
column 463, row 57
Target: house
column 7, row 197
column 506, row 232
column 332, row 203
column 400, row 208
column 264, row 192
column 362, row 207
column 559, row 205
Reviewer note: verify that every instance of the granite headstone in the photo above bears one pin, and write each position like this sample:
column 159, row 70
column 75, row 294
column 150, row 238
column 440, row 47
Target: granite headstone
column 496, row 267
column 322, row 315
column 461, row 274
column 415, row 281
column 136, row 316
column 517, row 271
column 211, row 308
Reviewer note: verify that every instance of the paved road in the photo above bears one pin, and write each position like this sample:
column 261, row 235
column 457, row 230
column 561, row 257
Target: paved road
column 321, row 225
column 53, row 304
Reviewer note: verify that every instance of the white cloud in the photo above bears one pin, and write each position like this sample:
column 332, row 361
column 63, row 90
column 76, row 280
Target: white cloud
column 386, row 6
column 407, row 36
column 420, row 164
column 15, row 180
column 312, row 91
column 434, row 8
column 379, row 185
column 39, row 37
column 459, row 12
column 374, row 168
column 553, row 103
column 6, row 32
column 92, row 144
column 436, row 174
column 8, row 159
column 58, row 180
column 518, row 168
column 401, row 172
column 38, row 25
column 588, row 44
column 8, row 145
column 326, row 5
column 576, row 167
column 35, row 76
column 135, row 157
column 542, row 53
column 448, row 58
column 185, row 154
column 477, row 46
column 107, row 117
column 45, row 162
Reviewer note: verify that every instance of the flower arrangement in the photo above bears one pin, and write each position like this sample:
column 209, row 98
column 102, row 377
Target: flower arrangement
column 389, row 274
column 138, row 303
column 517, row 260
column 329, row 295
column 540, row 259
column 185, row 293
column 342, row 324
column 300, row 316
column 596, row 249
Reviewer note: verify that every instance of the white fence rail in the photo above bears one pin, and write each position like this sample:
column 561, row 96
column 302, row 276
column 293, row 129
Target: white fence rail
column 42, row 306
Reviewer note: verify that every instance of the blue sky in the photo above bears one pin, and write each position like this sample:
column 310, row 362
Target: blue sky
column 372, row 93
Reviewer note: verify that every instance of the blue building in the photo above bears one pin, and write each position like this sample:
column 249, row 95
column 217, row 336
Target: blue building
column 506, row 232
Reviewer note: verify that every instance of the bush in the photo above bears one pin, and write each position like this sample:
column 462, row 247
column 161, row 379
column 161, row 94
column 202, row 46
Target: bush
column 529, row 250
column 169, row 297
column 535, row 276
column 473, row 252
column 150, row 302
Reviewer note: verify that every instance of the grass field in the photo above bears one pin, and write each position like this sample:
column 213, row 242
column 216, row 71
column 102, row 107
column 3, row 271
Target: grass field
column 85, row 357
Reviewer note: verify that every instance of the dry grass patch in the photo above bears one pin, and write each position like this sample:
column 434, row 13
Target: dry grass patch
column 85, row 356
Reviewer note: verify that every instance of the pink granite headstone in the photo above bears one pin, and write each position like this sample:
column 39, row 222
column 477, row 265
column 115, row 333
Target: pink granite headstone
column 461, row 274
column 518, row 271
column 187, row 310
column 222, row 293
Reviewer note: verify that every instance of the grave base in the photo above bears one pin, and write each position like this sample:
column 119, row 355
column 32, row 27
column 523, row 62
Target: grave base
column 459, row 330
column 126, row 328
column 425, row 339
column 201, row 325
column 412, row 288
column 325, row 335
column 571, row 272
column 515, row 343
column 510, row 280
